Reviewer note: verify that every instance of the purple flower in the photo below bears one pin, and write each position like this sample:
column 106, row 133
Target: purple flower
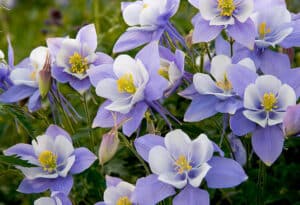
column 55, row 161
column 171, row 68
column 27, row 79
column 117, row 192
column 6, row 67
column 148, row 20
column 291, row 121
column 181, row 163
column 73, row 57
column 56, row 198
column 130, row 86
column 216, row 15
column 211, row 97
column 266, row 100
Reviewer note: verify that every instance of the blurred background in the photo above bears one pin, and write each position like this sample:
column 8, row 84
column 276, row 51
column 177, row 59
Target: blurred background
column 30, row 22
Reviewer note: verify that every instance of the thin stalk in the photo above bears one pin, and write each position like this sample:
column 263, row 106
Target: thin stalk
column 201, row 63
column 97, row 15
column 261, row 183
column 89, row 122
column 207, row 51
column 129, row 145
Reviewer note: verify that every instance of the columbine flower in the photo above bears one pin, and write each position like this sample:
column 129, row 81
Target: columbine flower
column 148, row 20
column 171, row 68
column 216, row 15
column 291, row 121
column 117, row 192
column 28, row 79
column 56, row 198
column 73, row 57
column 55, row 161
column 211, row 97
column 130, row 86
column 181, row 163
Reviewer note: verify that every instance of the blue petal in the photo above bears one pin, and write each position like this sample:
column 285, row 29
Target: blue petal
column 16, row 93
column 192, row 196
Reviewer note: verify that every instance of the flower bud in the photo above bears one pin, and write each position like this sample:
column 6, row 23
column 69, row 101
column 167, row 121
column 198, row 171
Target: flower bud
column 109, row 146
column 291, row 121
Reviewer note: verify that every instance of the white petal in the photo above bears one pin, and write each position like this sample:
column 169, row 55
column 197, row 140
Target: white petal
column 45, row 201
column 248, row 63
column 201, row 151
column 132, row 12
column 125, row 189
column 111, row 195
column 259, row 117
column 177, row 143
column 208, row 9
column 36, row 172
column 219, row 65
column 196, row 175
column 252, row 98
column 63, row 147
column 38, row 57
column 178, row 181
column 286, row 97
column 68, row 165
column 221, row 21
column 149, row 15
column 160, row 160
column 124, row 64
column 245, row 9
column 275, row 118
column 267, row 84
column 43, row 143
column 107, row 88
column 123, row 105
column 24, row 76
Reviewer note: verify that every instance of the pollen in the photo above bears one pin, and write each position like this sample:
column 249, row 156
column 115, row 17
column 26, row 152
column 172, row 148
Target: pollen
column 182, row 164
column 226, row 7
column 145, row 6
column 225, row 84
column 48, row 161
column 78, row 64
column 123, row 201
column 269, row 102
column 33, row 75
column 126, row 84
column 164, row 72
column 263, row 30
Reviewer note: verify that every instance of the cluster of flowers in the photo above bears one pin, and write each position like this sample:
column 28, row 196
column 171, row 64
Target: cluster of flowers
column 253, row 86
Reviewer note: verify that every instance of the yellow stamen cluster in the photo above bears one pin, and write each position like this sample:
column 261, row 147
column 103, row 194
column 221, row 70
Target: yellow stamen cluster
column 126, row 84
column 182, row 164
column 225, row 84
column 269, row 102
column 226, row 7
column 145, row 6
column 48, row 160
column 33, row 75
column 123, row 201
column 79, row 64
column 164, row 72
column 263, row 30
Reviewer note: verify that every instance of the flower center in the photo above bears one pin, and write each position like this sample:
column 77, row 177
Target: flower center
column 48, row 160
column 226, row 6
column 269, row 102
column 126, row 84
column 123, row 201
column 182, row 164
column 145, row 6
column 78, row 64
column 164, row 72
column 33, row 75
column 263, row 30
column 225, row 84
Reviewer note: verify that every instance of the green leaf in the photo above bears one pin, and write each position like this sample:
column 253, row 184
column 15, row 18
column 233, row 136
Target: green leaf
column 15, row 161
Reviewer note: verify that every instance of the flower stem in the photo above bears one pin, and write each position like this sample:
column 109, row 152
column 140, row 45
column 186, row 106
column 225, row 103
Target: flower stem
column 129, row 145
column 89, row 122
column 261, row 183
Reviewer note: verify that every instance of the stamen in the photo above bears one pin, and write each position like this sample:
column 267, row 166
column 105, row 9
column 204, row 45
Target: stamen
column 79, row 64
column 182, row 164
column 225, row 84
column 263, row 30
column 123, row 201
column 126, row 84
column 164, row 72
column 48, row 160
column 269, row 102
column 227, row 7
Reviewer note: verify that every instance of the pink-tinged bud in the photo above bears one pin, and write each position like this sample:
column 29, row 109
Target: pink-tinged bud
column 109, row 146
column 291, row 121
column 45, row 78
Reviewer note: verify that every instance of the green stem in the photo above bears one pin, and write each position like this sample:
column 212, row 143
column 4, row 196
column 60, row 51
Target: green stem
column 60, row 107
column 202, row 63
column 131, row 148
column 261, row 183
column 97, row 15
column 87, row 114
column 207, row 51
